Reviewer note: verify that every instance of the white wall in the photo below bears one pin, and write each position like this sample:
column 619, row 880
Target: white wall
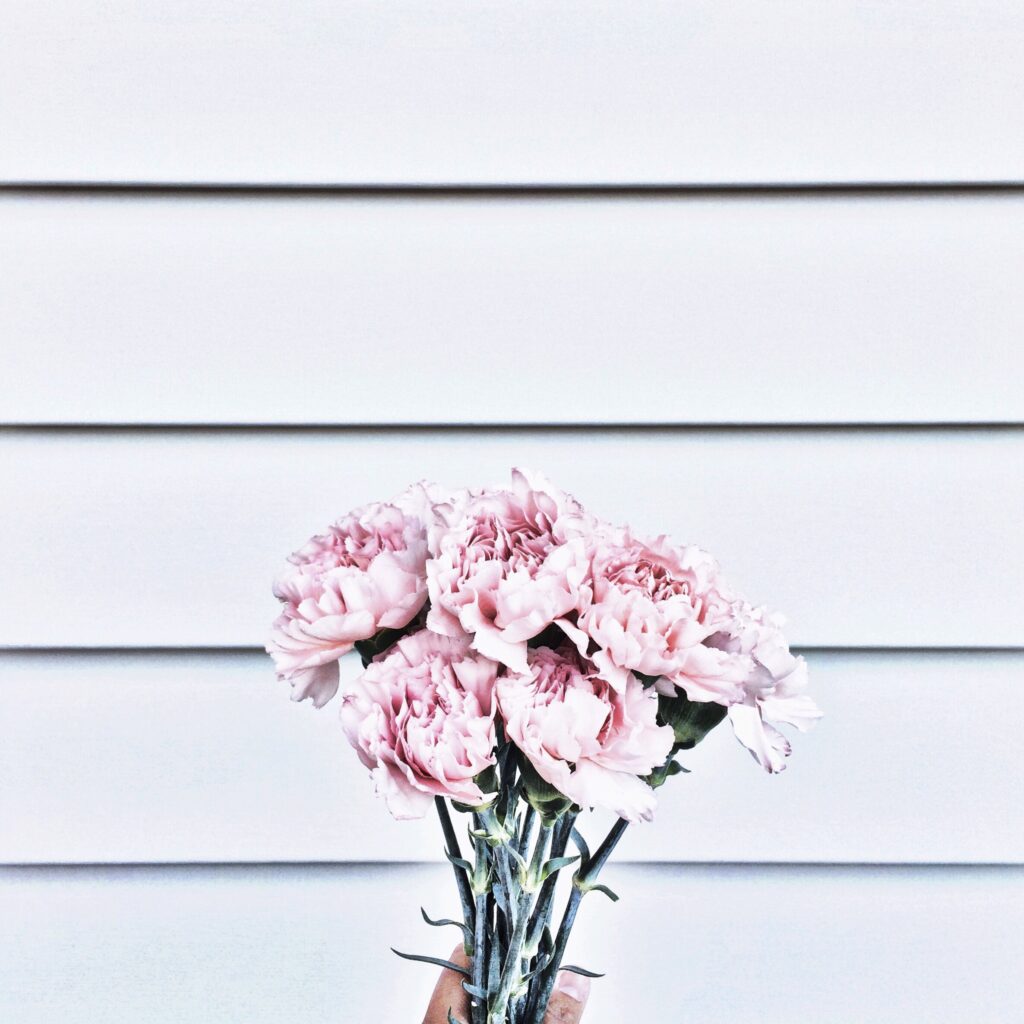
column 820, row 384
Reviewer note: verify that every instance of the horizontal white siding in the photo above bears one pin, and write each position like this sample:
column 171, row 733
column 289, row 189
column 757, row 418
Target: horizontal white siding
column 183, row 843
column 171, row 538
column 387, row 310
column 153, row 758
column 715, row 945
column 500, row 92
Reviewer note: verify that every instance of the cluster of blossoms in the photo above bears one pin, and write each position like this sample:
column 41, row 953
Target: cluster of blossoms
column 513, row 616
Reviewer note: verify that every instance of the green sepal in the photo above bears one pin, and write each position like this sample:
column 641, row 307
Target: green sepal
column 664, row 772
column 489, row 785
column 380, row 642
column 544, row 798
column 691, row 720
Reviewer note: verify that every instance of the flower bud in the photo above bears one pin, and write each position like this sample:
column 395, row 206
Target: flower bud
column 691, row 720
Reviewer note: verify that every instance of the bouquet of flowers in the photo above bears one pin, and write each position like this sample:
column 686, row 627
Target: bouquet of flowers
column 524, row 661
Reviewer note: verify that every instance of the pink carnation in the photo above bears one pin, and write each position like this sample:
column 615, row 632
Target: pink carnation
column 509, row 565
column 421, row 719
column 648, row 607
column 587, row 739
column 366, row 573
column 773, row 688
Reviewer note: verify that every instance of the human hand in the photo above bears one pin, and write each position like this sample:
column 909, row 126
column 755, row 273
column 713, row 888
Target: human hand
column 566, row 1005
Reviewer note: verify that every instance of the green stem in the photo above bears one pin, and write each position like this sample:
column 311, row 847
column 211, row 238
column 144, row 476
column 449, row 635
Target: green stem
column 542, row 912
column 511, row 968
column 526, row 830
column 482, row 928
column 461, row 880
column 587, row 875
column 478, row 1007
column 604, row 851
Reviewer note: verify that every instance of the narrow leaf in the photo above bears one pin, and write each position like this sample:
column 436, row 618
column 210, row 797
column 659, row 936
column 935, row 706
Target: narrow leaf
column 475, row 991
column 573, row 969
column 517, row 857
column 501, row 898
column 436, row 961
column 444, row 921
column 542, row 961
column 581, row 845
column 458, row 862
column 613, row 896
column 452, row 1019
column 556, row 864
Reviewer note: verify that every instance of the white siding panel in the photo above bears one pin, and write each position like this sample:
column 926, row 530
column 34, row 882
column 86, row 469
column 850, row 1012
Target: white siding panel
column 715, row 945
column 503, row 92
column 512, row 310
column 130, row 758
column 864, row 538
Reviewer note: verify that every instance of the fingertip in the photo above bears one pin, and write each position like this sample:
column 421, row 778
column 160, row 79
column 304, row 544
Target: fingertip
column 568, row 999
column 575, row 986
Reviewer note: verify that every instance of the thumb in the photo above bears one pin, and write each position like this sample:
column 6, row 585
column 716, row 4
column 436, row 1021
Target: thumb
column 568, row 999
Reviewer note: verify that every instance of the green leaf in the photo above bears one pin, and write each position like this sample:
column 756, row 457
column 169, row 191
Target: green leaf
column 501, row 898
column 573, row 969
column 452, row 1019
column 436, row 961
column 556, row 864
column 444, row 921
column 517, row 857
column 475, row 991
column 459, row 862
column 542, row 961
column 613, row 896
column 580, row 843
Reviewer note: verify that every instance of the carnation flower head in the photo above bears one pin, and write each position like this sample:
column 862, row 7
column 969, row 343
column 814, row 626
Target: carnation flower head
column 773, row 689
column 507, row 565
column 363, row 574
column 588, row 739
column 421, row 718
column 647, row 607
